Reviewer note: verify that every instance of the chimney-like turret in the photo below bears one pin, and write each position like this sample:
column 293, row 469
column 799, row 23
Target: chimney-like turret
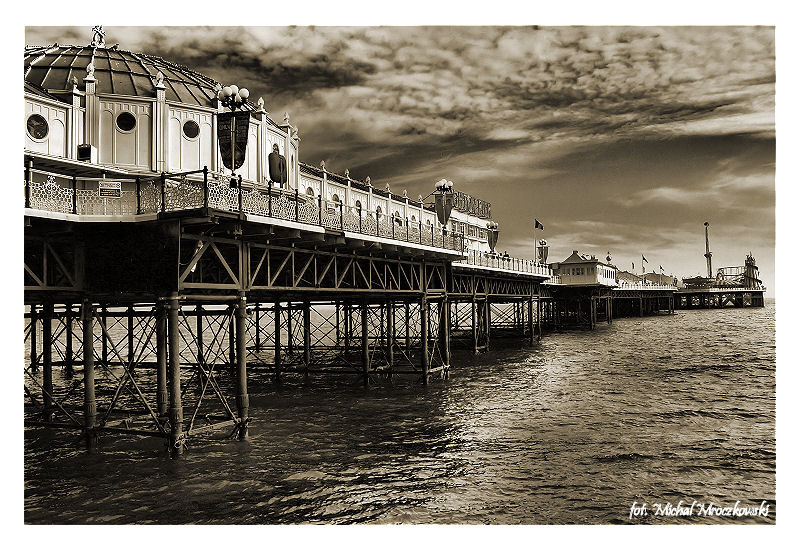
column 708, row 252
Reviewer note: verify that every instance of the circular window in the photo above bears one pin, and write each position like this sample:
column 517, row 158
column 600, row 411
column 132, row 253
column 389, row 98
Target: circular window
column 126, row 121
column 191, row 129
column 37, row 127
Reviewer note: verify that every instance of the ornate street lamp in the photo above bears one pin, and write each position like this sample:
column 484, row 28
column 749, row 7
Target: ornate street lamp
column 233, row 127
column 492, row 234
column 444, row 200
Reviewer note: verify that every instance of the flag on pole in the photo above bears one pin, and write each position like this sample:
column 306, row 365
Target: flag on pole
column 633, row 267
column 537, row 225
column 661, row 268
column 644, row 259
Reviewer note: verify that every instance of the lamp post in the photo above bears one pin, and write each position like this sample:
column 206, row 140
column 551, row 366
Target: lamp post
column 233, row 98
column 444, row 203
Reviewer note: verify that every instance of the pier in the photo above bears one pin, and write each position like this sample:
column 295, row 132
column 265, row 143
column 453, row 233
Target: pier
column 165, row 267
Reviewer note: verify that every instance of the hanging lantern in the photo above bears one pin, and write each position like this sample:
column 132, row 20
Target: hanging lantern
column 444, row 200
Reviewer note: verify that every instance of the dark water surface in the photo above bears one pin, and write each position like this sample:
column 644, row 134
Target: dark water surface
column 659, row 409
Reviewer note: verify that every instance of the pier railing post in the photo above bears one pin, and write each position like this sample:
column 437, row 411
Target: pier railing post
column 175, row 405
column 89, row 402
column 242, row 399
column 75, row 195
column 240, row 191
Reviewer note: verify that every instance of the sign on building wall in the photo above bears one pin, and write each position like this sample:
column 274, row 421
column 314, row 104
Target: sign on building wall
column 240, row 121
column 110, row 189
column 471, row 205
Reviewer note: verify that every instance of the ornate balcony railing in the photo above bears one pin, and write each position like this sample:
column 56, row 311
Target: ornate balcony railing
column 627, row 285
column 485, row 259
column 200, row 188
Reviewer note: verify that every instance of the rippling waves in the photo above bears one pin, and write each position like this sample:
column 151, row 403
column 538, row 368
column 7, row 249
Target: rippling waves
column 659, row 409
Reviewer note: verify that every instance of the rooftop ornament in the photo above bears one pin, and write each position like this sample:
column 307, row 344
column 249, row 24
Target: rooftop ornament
column 98, row 37
column 444, row 200
column 492, row 233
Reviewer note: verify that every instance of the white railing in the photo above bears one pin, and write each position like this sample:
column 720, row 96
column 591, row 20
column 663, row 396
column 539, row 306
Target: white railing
column 725, row 289
column 554, row 280
column 507, row 263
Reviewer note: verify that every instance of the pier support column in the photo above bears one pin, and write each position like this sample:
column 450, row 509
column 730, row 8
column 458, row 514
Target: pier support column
column 348, row 326
column 307, row 337
column 423, row 330
column 131, row 345
column 539, row 319
column 444, row 336
column 390, row 336
column 175, row 405
column 258, row 328
column 277, row 341
column 34, row 347
column 242, row 399
column 232, row 339
column 162, row 397
column 47, row 360
column 103, row 336
column 531, row 335
column 488, row 319
column 200, row 346
column 474, row 306
column 641, row 307
column 408, row 328
column 289, row 339
column 89, row 401
column 365, row 343
column 68, row 354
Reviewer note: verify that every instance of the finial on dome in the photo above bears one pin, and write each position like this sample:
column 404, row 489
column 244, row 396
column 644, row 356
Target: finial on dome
column 286, row 118
column 367, row 181
column 98, row 37
column 160, row 80
column 322, row 164
column 89, row 71
column 405, row 194
column 260, row 104
column 419, row 199
column 294, row 132
column 347, row 173
column 388, row 189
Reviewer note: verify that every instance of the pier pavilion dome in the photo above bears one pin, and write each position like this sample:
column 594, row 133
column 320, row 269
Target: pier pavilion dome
column 136, row 113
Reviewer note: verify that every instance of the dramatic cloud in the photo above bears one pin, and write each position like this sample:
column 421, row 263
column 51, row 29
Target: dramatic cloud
column 621, row 139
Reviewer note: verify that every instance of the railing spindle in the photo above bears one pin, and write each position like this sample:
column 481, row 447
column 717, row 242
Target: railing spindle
column 360, row 220
column 240, row 193
column 341, row 216
column 163, row 192
column 297, row 204
column 75, row 195
column 319, row 207
column 28, row 168
column 205, row 186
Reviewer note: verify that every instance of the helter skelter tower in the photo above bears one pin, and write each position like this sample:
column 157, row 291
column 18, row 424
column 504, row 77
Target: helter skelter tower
column 708, row 252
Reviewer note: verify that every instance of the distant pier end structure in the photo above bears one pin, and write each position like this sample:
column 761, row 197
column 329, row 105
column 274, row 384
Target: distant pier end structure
column 176, row 248
column 737, row 286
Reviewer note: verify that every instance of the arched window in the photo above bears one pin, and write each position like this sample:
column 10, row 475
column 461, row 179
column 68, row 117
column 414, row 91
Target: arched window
column 335, row 198
column 310, row 191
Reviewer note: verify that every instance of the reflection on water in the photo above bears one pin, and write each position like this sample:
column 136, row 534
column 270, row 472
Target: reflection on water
column 652, row 410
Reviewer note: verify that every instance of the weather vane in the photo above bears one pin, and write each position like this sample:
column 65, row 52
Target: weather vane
column 98, row 37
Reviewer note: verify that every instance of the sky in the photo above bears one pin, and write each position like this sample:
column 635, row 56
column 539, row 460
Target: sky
column 619, row 140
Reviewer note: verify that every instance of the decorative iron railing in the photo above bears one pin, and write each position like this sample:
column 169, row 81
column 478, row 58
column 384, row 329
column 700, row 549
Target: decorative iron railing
column 200, row 188
column 626, row 285
column 485, row 259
